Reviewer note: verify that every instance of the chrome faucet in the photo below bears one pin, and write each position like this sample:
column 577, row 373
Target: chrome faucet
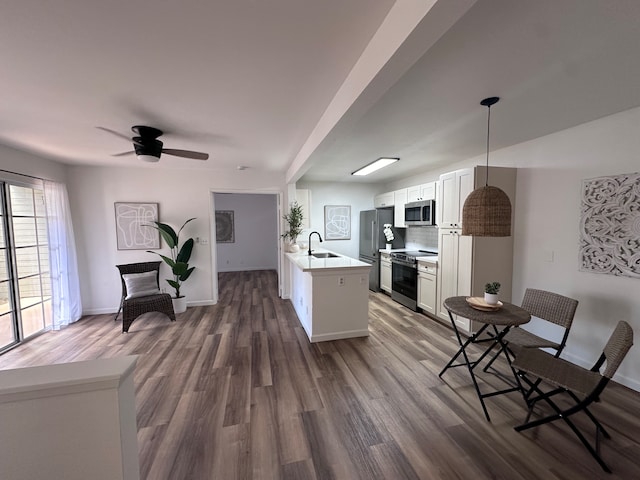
column 310, row 240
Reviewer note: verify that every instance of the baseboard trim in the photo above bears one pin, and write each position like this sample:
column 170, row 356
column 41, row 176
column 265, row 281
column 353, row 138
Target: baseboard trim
column 113, row 310
column 325, row 337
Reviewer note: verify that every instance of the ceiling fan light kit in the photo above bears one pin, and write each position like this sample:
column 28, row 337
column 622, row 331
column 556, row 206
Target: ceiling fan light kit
column 148, row 158
column 487, row 210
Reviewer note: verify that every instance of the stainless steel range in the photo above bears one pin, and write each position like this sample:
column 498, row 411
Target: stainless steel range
column 404, row 277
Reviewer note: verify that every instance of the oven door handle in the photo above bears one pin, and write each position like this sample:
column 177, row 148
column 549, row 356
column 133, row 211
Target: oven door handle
column 404, row 264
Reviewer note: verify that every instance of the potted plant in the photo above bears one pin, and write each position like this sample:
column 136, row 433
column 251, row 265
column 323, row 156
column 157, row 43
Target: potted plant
column 388, row 233
column 178, row 262
column 294, row 220
column 491, row 293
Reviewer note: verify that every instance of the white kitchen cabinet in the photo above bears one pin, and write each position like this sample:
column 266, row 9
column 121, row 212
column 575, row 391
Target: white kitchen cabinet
column 399, row 200
column 413, row 193
column 383, row 200
column 466, row 263
column 385, row 272
column 330, row 296
column 454, row 272
column 427, row 281
column 426, row 191
column 454, row 189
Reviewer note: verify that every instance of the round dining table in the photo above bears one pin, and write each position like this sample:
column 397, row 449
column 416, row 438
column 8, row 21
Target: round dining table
column 497, row 321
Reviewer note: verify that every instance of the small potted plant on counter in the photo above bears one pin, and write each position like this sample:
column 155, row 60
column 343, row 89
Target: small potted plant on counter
column 294, row 220
column 388, row 233
column 491, row 293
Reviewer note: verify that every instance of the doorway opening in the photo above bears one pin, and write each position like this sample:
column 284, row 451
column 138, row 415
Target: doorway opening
column 246, row 233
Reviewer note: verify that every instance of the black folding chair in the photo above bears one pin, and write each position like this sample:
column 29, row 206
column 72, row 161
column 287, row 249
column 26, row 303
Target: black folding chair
column 581, row 385
column 548, row 306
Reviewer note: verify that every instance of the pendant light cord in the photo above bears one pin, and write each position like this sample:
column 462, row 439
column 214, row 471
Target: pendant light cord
column 488, row 129
column 487, row 102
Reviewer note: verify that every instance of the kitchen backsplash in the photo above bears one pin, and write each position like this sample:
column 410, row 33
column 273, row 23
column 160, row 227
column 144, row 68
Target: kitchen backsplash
column 421, row 237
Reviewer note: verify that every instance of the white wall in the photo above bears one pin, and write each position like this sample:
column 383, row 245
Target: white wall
column 547, row 215
column 27, row 164
column 255, row 245
column 182, row 194
column 358, row 196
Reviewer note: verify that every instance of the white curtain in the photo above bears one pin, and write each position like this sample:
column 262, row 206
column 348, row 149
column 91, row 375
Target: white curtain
column 65, row 287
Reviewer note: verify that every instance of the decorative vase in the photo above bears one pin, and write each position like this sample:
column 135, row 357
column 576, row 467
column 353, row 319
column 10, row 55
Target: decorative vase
column 294, row 248
column 388, row 246
column 491, row 298
column 179, row 304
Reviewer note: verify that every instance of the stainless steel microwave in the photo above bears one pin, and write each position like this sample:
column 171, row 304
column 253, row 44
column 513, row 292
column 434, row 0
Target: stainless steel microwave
column 422, row 213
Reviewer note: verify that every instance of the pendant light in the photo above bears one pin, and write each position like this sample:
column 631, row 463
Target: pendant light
column 487, row 210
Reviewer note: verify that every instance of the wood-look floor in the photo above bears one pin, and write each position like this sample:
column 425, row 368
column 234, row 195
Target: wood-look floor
column 236, row 391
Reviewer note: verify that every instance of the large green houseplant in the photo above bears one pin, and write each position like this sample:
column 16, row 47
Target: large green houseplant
column 294, row 221
column 179, row 259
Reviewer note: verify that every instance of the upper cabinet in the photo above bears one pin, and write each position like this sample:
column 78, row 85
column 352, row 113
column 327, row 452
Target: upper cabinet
column 426, row 191
column 383, row 200
column 396, row 200
column 413, row 193
column 399, row 200
column 454, row 189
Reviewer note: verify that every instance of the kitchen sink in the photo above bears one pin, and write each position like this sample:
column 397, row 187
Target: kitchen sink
column 324, row 255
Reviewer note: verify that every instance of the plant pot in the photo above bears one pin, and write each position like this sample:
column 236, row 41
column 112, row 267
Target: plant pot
column 179, row 304
column 491, row 298
column 293, row 248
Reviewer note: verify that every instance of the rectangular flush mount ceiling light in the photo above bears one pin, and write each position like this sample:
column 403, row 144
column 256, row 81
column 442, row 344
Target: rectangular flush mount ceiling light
column 377, row 165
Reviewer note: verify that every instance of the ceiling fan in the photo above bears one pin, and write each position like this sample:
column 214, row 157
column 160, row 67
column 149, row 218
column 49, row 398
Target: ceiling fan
column 148, row 148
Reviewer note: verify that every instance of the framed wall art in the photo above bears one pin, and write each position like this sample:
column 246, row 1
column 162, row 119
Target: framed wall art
column 132, row 226
column 337, row 222
column 610, row 225
column 224, row 226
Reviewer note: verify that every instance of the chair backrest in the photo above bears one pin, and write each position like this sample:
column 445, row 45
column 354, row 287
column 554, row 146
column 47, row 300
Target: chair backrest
column 141, row 267
column 617, row 347
column 553, row 307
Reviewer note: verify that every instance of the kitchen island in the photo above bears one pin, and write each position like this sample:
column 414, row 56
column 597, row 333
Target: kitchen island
column 330, row 295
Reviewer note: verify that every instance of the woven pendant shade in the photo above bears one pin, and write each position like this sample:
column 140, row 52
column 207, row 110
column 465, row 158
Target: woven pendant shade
column 487, row 213
column 487, row 210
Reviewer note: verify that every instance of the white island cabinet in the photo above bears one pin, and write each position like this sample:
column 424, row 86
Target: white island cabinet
column 330, row 295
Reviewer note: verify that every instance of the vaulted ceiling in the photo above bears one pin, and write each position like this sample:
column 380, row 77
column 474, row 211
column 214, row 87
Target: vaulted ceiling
column 310, row 89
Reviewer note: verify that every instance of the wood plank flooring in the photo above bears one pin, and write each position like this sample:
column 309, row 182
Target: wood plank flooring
column 236, row 391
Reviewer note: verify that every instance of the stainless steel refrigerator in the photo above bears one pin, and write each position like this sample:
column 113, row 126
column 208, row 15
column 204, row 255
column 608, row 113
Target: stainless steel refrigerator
column 372, row 239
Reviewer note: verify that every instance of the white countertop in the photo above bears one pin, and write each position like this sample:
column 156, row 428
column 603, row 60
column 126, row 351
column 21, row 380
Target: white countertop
column 308, row 263
column 434, row 250
column 428, row 259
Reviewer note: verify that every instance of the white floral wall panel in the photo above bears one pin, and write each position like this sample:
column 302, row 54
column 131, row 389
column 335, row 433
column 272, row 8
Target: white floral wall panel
column 610, row 225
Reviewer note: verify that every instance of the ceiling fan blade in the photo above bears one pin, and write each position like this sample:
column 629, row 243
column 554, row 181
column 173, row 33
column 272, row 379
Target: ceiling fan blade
column 117, row 134
column 186, row 154
column 123, row 154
